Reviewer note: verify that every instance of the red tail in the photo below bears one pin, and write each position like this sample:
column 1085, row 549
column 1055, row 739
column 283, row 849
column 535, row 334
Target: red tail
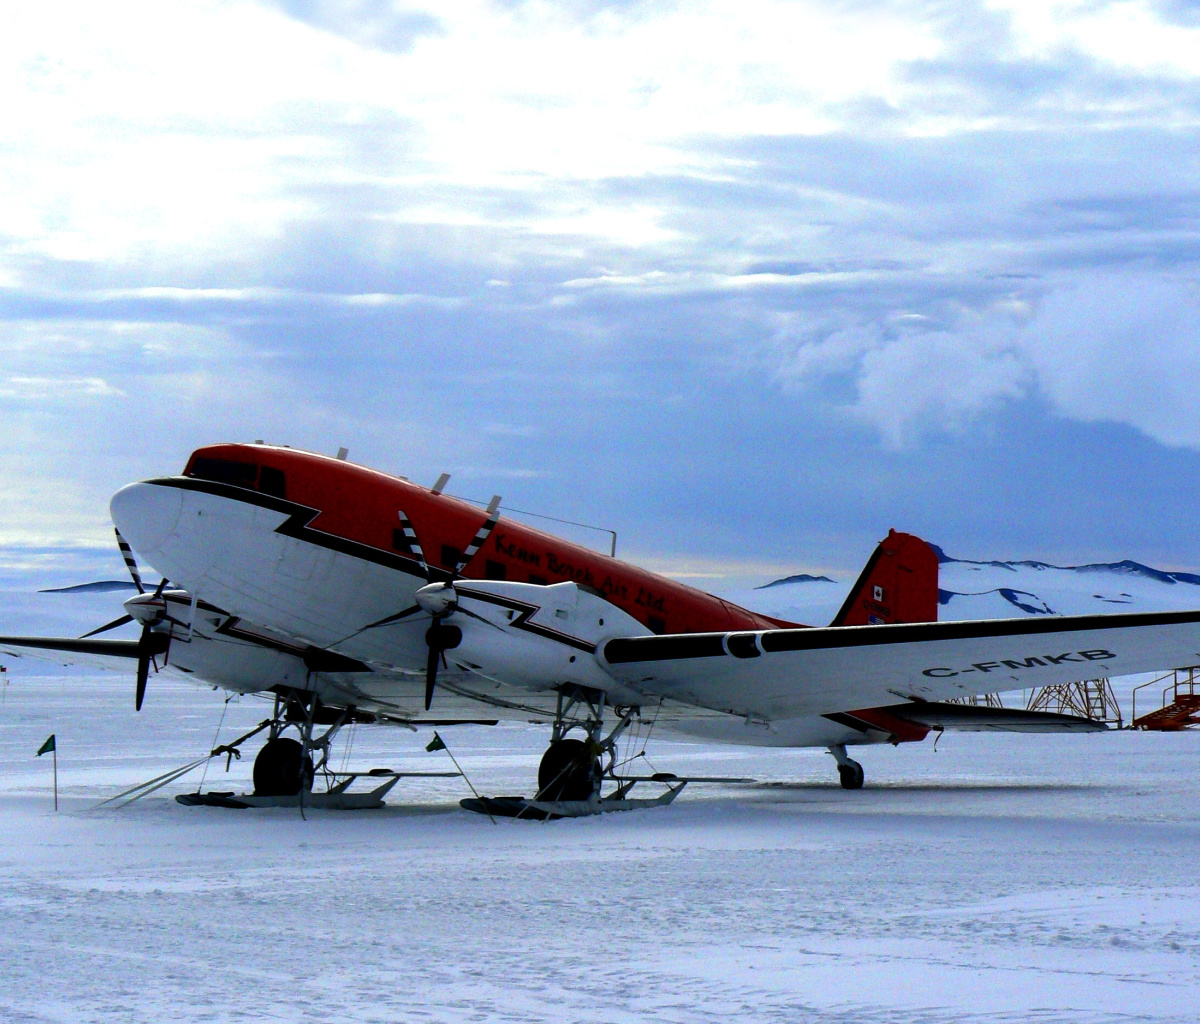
column 899, row 584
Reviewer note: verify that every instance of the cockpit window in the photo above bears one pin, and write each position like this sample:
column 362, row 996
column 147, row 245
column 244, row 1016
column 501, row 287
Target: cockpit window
column 243, row 474
column 270, row 481
column 240, row 474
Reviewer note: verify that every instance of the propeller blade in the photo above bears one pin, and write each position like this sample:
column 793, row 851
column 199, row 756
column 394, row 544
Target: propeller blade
column 440, row 640
column 481, row 535
column 108, row 625
column 149, row 645
column 414, row 545
column 130, row 561
column 142, row 675
column 431, row 667
column 431, row 662
column 393, row 618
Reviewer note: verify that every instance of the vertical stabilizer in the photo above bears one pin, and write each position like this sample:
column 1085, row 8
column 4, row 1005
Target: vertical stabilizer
column 899, row 584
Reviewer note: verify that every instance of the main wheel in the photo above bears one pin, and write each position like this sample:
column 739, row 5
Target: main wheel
column 277, row 769
column 568, row 771
column 851, row 775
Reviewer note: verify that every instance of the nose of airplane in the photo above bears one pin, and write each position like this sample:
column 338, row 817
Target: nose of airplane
column 146, row 515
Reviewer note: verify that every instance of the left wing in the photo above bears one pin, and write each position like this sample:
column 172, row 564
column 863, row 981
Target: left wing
column 788, row 673
column 104, row 654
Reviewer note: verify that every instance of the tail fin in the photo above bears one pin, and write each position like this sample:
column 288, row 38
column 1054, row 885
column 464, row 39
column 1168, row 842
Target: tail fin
column 899, row 584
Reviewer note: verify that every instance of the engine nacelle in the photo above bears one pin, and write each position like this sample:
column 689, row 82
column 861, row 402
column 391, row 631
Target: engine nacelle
column 539, row 637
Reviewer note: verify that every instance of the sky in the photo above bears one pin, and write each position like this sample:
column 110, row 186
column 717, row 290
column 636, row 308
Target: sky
column 748, row 282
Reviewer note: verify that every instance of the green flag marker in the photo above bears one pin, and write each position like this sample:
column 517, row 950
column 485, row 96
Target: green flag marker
column 50, row 747
column 434, row 744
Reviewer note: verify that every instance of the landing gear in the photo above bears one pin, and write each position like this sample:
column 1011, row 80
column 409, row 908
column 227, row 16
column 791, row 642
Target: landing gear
column 570, row 770
column 285, row 766
column 282, row 768
column 574, row 769
column 851, row 775
column 850, row 772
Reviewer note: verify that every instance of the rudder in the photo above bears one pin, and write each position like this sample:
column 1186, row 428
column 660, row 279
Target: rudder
column 898, row 584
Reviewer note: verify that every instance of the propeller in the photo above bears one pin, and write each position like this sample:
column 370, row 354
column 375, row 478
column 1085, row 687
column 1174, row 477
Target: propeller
column 152, row 642
column 438, row 598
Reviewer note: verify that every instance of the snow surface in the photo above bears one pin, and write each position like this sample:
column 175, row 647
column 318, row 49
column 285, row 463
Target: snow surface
column 996, row 878
column 987, row 878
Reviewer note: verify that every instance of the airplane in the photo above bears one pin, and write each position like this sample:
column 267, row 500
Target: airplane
column 350, row 595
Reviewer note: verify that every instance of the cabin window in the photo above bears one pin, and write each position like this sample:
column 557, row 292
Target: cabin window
column 494, row 571
column 541, row 581
column 450, row 556
column 656, row 625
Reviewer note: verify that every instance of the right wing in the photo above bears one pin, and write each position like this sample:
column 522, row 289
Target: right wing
column 789, row 673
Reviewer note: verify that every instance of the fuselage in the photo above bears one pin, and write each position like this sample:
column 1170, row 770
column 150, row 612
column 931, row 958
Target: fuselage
column 359, row 507
column 298, row 565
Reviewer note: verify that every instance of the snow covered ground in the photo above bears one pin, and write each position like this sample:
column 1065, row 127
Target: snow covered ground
column 989, row 878
column 996, row 878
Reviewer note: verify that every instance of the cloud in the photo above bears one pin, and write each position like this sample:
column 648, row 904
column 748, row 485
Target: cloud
column 42, row 389
column 375, row 23
column 1124, row 348
column 1097, row 347
column 713, row 266
column 937, row 379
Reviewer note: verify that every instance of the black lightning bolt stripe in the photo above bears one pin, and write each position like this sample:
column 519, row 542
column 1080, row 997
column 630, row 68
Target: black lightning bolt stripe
column 296, row 525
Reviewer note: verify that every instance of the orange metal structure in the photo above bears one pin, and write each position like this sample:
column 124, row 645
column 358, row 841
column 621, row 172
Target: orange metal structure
column 1180, row 703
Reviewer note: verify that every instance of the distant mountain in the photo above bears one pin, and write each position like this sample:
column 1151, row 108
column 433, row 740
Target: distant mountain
column 996, row 589
column 799, row 578
column 99, row 587
column 1127, row 565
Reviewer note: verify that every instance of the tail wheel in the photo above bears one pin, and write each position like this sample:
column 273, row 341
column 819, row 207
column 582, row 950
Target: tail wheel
column 278, row 770
column 569, row 771
column 851, row 775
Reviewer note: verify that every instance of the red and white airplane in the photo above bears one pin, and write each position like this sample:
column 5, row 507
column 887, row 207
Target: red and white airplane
column 357, row 596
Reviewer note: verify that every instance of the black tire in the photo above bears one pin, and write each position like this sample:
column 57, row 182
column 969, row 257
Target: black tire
column 277, row 770
column 568, row 771
column 851, row 775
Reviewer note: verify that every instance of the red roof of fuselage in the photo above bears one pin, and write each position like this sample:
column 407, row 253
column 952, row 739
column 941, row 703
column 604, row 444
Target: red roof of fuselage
column 361, row 505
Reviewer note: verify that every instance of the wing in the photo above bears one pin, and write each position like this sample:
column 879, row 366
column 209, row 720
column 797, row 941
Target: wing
column 104, row 654
column 788, row 673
